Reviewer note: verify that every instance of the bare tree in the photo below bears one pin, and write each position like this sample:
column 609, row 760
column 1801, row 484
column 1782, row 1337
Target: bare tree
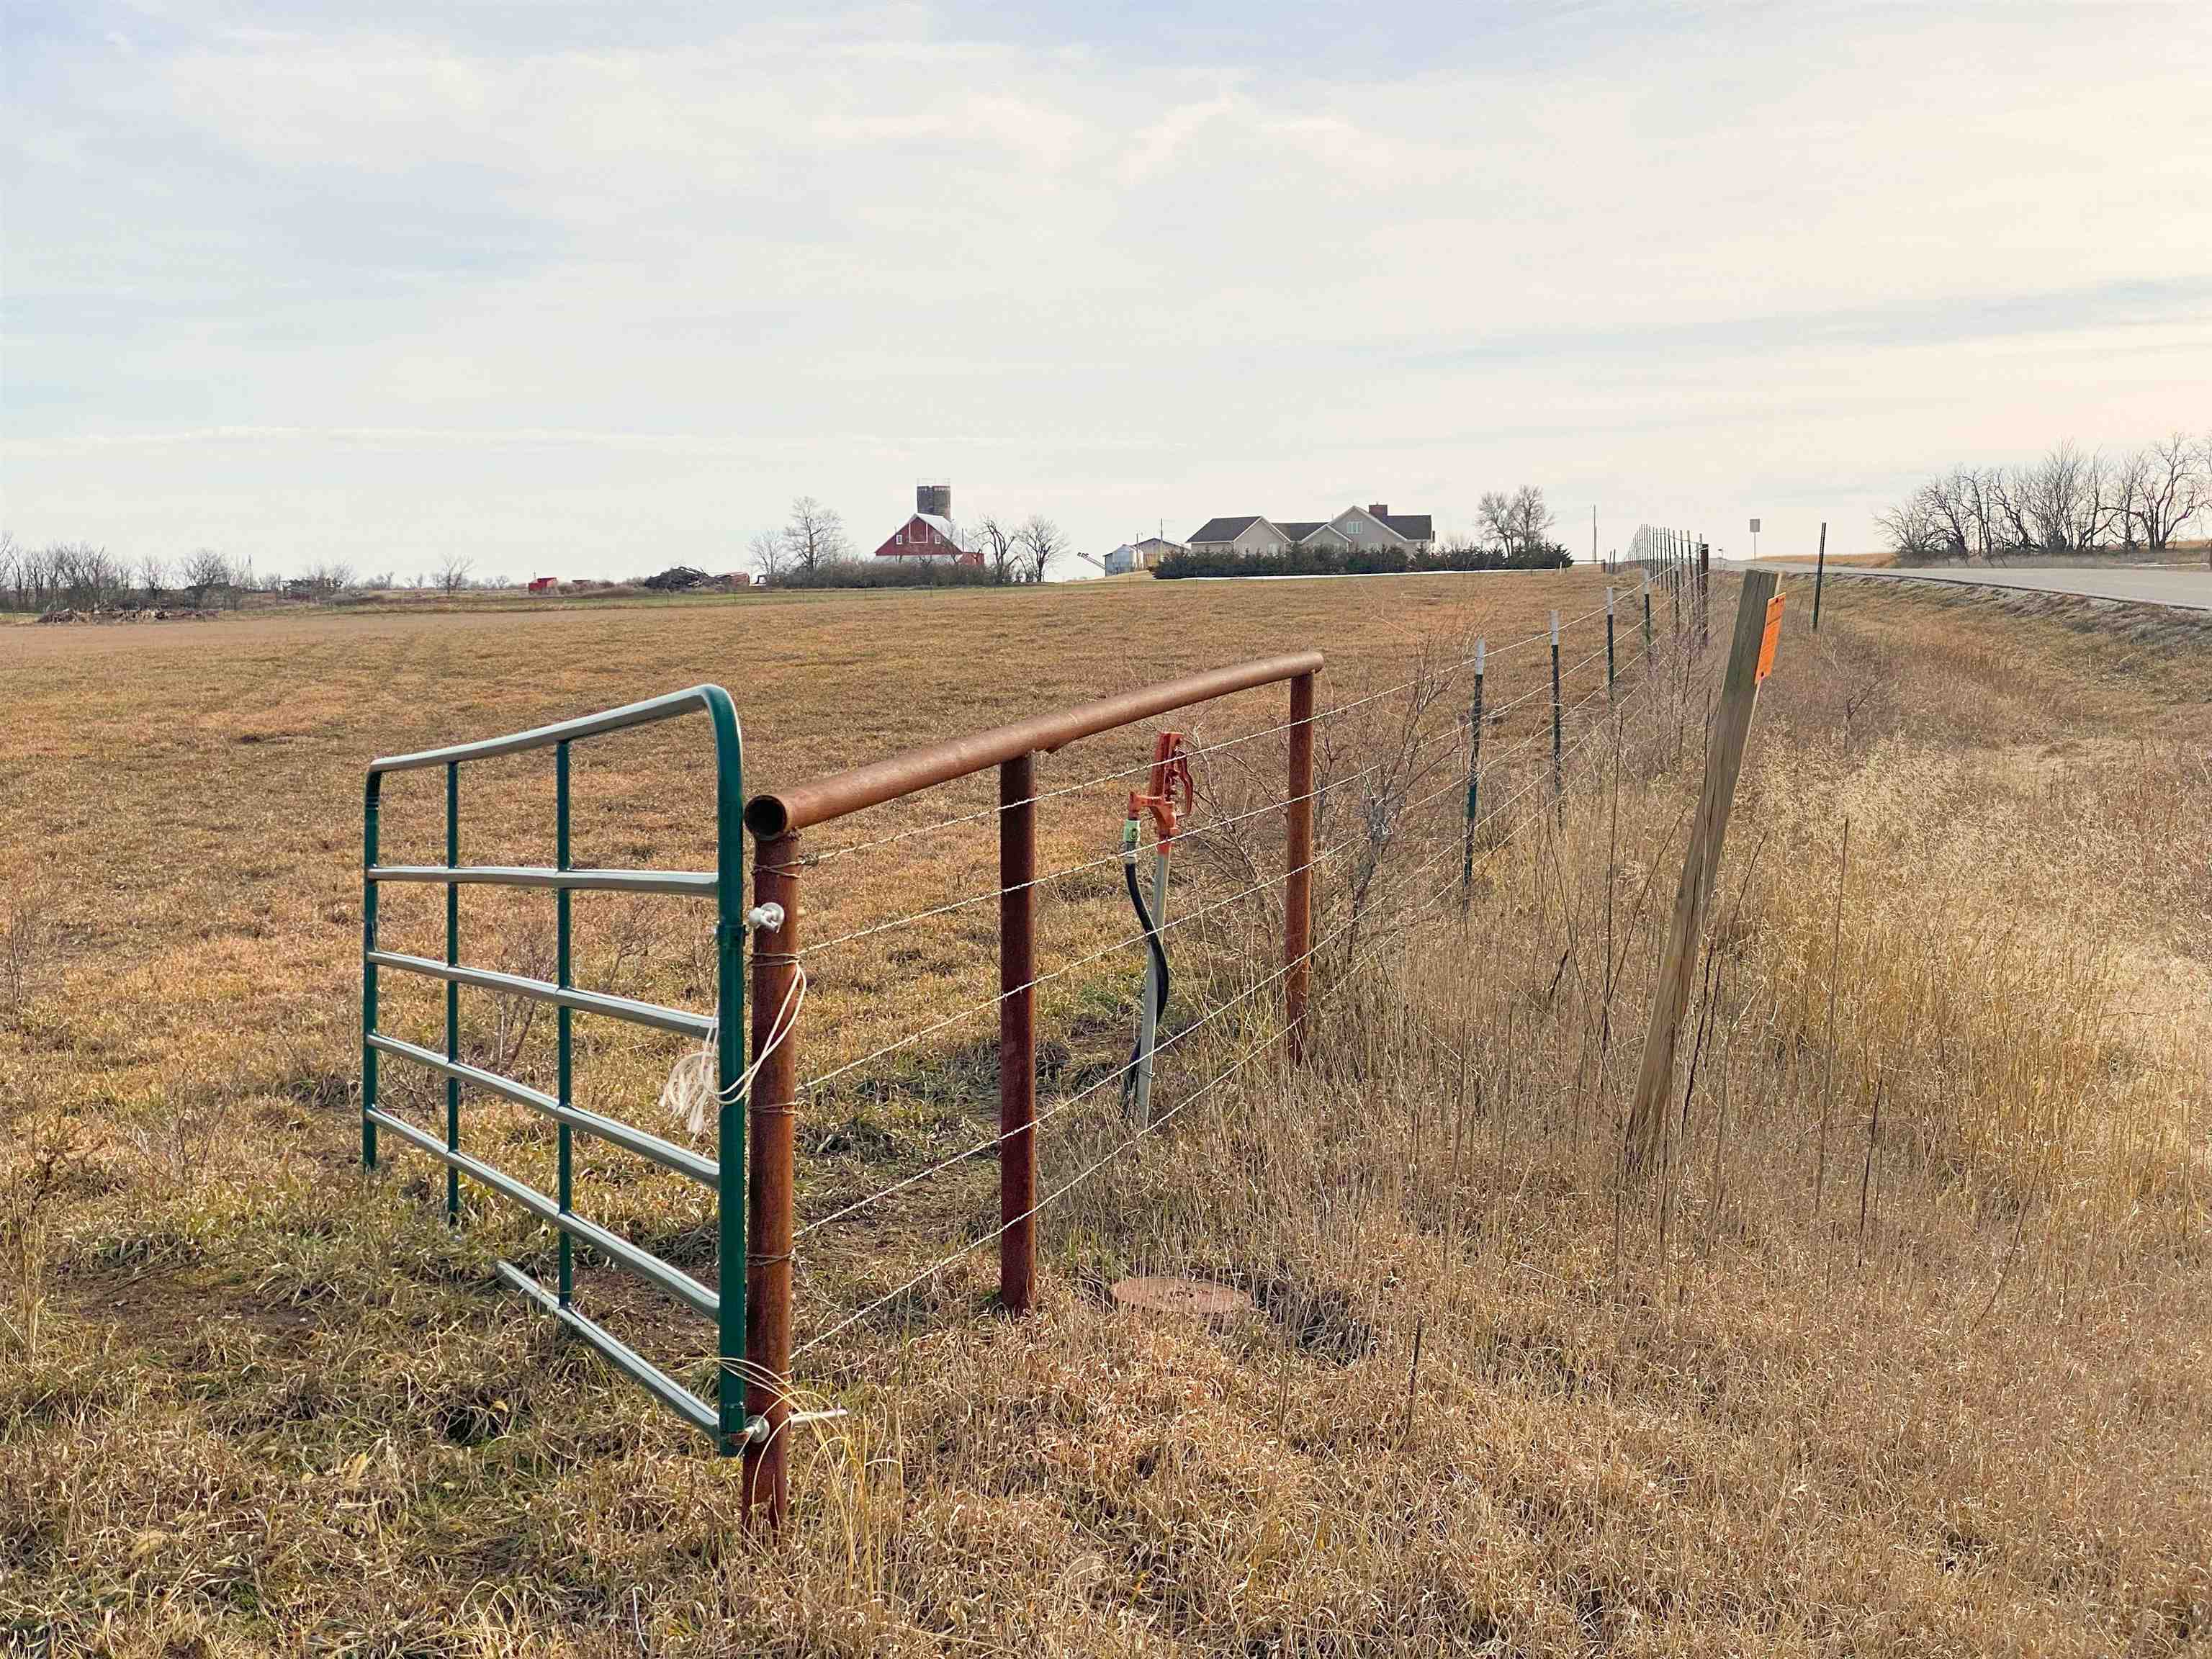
column 815, row 536
column 152, row 577
column 1519, row 523
column 1530, row 520
column 766, row 554
column 999, row 541
column 1912, row 531
column 451, row 575
column 2164, row 486
column 206, row 569
column 1495, row 512
column 1041, row 542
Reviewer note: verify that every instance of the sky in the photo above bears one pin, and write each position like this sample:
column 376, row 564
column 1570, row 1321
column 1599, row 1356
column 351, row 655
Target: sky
column 591, row 290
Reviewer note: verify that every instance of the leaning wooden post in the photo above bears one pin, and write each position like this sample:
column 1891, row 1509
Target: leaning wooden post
column 771, row 1109
column 1017, row 1033
column 1297, row 871
column 1473, row 782
column 1758, row 628
column 1820, row 570
column 1559, row 776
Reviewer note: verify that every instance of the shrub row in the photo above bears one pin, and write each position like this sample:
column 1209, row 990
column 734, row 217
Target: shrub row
column 1360, row 562
column 887, row 573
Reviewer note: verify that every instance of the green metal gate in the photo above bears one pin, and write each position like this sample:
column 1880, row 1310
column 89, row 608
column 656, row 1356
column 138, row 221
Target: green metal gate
column 724, row 1174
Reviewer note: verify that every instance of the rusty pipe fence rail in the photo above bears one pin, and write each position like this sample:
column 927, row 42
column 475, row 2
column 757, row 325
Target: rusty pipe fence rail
column 777, row 820
column 723, row 1175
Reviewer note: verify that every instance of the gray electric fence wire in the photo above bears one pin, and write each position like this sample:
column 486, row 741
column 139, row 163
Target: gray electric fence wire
column 1084, row 1173
column 1322, row 857
column 1397, row 931
column 1186, row 832
column 834, row 853
column 1064, row 968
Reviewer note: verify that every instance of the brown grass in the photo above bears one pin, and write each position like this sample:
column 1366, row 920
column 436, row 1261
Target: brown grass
column 1915, row 1363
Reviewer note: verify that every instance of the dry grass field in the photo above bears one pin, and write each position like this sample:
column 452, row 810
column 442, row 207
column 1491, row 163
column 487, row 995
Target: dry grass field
column 1905, row 1353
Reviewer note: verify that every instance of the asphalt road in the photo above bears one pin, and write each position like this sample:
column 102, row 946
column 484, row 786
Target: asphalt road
column 2185, row 587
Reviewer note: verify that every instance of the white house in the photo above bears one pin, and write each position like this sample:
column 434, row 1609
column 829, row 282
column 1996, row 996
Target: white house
column 1356, row 528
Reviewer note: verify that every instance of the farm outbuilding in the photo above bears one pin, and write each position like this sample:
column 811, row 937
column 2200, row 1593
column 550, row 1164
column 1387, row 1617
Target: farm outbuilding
column 929, row 532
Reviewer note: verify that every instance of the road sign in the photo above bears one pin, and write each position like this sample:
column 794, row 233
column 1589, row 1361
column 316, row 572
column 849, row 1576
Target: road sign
column 1754, row 526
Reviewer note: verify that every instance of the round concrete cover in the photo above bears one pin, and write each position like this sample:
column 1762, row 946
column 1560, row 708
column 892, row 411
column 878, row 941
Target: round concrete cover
column 1182, row 1296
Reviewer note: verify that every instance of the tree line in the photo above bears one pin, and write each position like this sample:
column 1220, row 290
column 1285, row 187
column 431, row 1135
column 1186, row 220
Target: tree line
column 2070, row 501
column 87, row 576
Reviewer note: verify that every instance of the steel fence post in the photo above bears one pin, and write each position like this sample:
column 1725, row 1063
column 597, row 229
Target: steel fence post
column 1820, row 574
column 1609, row 646
column 1704, row 592
column 769, row 1213
column 1559, row 777
column 1473, row 782
column 1017, row 1033
column 1298, row 872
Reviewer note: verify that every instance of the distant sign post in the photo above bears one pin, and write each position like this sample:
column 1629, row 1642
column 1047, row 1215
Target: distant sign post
column 1754, row 539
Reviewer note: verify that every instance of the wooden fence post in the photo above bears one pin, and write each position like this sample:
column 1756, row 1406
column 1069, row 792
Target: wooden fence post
column 1647, row 1144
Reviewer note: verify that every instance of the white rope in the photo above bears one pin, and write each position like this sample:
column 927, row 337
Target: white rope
column 690, row 1093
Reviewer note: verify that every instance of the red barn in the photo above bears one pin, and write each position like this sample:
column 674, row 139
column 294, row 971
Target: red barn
column 544, row 584
column 930, row 532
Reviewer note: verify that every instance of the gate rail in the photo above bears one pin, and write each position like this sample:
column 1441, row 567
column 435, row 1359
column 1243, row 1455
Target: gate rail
column 725, row 1419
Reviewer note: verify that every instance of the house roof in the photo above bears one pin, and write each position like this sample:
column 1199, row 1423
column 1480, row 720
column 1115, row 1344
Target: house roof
column 940, row 524
column 1414, row 526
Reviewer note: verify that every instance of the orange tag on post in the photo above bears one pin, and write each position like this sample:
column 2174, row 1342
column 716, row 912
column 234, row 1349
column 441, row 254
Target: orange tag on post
column 1773, row 638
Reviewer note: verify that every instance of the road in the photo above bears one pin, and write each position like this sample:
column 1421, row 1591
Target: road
column 2182, row 586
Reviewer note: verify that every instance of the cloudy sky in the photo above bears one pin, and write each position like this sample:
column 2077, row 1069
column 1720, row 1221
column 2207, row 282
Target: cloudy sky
column 589, row 289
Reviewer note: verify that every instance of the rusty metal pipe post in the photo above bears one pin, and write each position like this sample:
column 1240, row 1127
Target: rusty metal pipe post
column 1018, row 1033
column 1298, row 872
column 771, row 1110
